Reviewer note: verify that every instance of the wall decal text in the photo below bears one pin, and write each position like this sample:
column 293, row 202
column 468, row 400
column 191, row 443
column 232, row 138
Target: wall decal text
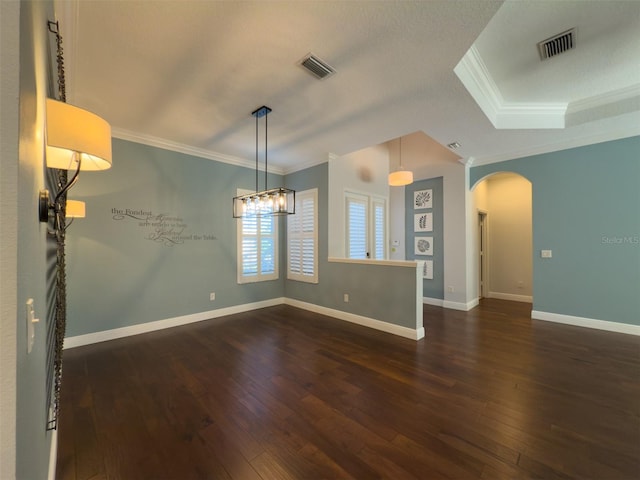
column 162, row 228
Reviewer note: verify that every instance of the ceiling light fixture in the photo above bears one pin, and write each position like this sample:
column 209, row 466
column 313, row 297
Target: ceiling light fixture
column 401, row 176
column 275, row 201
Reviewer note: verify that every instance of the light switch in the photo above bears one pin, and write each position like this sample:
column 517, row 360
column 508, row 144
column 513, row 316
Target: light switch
column 546, row 253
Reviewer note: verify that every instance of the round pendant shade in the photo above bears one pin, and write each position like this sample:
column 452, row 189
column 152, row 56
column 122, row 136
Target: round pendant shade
column 400, row 178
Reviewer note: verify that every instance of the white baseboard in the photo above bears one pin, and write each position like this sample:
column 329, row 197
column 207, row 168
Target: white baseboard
column 465, row 307
column 106, row 335
column 511, row 296
column 80, row 340
column 587, row 322
column 53, row 455
column 414, row 334
column 436, row 302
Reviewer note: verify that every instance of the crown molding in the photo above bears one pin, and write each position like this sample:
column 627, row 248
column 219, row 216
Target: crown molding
column 513, row 115
column 304, row 166
column 187, row 149
column 632, row 130
column 476, row 78
column 628, row 94
column 608, row 104
column 474, row 75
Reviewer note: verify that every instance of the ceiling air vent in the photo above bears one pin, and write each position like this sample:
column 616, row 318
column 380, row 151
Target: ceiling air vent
column 317, row 67
column 557, row 44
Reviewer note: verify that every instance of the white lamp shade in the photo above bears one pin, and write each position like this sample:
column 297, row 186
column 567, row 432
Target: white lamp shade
column 400, row 178
column 75, row 209
column 73, row 130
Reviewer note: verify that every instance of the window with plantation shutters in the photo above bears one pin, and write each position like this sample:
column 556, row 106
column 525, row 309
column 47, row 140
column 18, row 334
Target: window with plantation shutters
column 379, row 230
column 357, row 244
column 302, row 238
column 257, row 247
column 366, row 226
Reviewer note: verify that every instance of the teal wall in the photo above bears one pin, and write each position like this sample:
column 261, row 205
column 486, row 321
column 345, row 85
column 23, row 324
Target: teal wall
column 586, row 209
column 314, row 177
column 120, row 274
column 433, row 288
column 35, row 272
column 125, row 269
column 371, row 293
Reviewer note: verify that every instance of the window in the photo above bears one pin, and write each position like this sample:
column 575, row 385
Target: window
column 302, row 238
column 379, row 228
column 257, row 248
column 366, row 226
column 356, row 227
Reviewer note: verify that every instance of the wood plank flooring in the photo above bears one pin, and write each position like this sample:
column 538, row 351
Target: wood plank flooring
column 282, row 393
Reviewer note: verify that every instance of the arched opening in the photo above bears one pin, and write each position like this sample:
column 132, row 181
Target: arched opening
column 503, row 237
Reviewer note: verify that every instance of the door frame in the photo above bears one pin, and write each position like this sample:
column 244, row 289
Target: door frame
column 483, row 254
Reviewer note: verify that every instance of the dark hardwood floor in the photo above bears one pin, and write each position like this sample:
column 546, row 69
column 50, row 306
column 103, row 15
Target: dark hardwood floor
column 282, row 393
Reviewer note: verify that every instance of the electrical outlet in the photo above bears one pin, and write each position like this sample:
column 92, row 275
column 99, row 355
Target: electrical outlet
column 546, row 253
column 212, row 296
column 346, row 298
column 450, row 289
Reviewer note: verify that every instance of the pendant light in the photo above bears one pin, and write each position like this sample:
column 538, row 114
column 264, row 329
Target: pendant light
column 401, row 176
column 275, row 201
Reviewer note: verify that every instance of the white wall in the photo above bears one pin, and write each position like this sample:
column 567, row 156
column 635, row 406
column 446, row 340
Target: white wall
column 510, row 237
column 396, row 224
column 415, row 150
column 365, row 171
column 478, row 202
column 481, row 196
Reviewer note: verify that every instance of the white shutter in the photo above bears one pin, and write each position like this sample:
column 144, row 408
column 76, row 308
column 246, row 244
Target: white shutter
column 257, row 248
column 365, row 226
column 379, row 229
column 302, row 236
column 356, row 226
column 249, row 246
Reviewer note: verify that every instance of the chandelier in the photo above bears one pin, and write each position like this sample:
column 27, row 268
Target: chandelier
column 275, row 201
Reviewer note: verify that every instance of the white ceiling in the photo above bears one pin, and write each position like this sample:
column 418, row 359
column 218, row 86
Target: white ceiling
column 187, row 74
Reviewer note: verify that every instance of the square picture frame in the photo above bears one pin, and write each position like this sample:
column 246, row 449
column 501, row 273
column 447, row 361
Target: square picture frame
column 423, row 222
column 427, row 269
column 423, row 199
column 423, row 246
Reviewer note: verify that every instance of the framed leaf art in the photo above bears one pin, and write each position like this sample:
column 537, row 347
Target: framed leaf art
column 423, row 199
column 423, row 222
column 423, row 246
column 427, row 269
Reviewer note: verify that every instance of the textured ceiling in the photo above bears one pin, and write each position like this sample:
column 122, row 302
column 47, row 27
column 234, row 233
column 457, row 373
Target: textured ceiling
column 189, row 73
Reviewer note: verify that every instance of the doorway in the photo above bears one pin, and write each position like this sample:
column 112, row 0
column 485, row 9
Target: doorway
column 503, row 235
column 483, row 264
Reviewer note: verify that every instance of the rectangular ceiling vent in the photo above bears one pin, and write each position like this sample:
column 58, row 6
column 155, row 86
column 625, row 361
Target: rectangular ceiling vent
column 557, row 44
column 318, row 68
